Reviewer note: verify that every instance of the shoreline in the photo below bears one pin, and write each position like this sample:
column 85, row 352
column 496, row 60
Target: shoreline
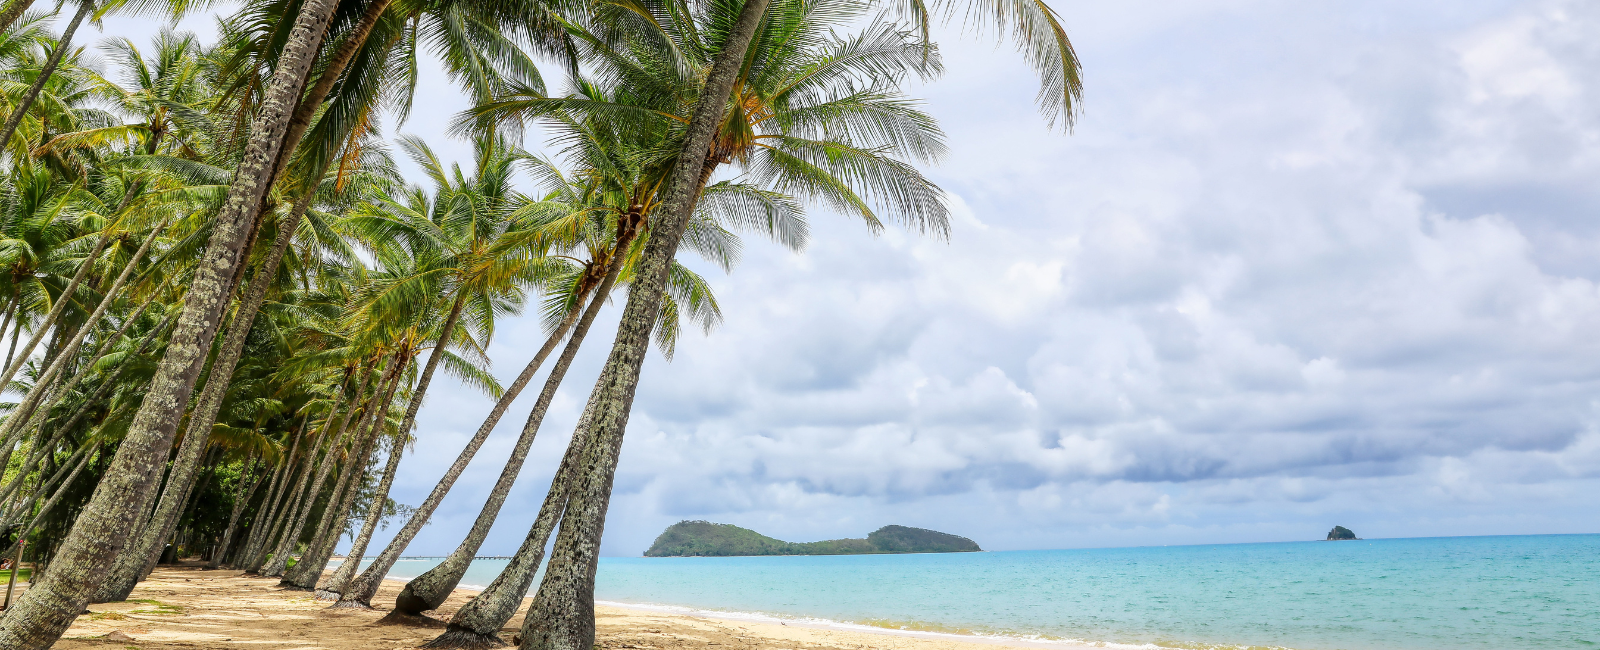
column 824, row 624
column 187, row 607
column 1001, row 640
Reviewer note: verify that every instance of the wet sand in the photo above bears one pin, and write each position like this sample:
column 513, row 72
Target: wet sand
column 182, row 607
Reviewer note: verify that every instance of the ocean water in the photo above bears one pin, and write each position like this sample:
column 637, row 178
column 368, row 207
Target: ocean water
column 1499, row 593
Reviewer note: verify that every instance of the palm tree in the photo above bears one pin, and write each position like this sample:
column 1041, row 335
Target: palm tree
column 307, row 571
column 13, row 10
column 162, row 208
column 605, row 231
column 47, row 211
column 228, row 237
column 602, row 215
column 141, row 556
column 20, row 49
column 675, row 93
column 36, row 225
column 469, row 242
column 442, row 24
column 164, row 95
column 37, row 619
column 804, row 78
column 49, row 387
column 561, row 617
column 397, row 307
column 62, row 46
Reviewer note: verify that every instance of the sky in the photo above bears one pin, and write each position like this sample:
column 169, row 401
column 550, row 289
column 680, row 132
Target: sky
column 1297, row 265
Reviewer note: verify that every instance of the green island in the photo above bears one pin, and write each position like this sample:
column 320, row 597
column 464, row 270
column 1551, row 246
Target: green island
column 1340, row 533
column 706, row 539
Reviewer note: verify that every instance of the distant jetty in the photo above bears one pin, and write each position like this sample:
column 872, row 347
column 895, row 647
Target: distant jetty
column 706, row 539
column 1340, row 533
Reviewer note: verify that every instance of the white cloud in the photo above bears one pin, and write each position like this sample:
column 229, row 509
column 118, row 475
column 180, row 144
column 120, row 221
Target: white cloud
column 1298, row 265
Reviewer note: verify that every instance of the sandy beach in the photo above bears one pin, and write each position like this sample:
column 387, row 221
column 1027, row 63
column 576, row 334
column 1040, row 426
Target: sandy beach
column 181, row 607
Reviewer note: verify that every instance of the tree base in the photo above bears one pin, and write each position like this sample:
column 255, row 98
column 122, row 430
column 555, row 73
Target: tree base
column 456, row 638
column 410, row 604
column 397, row 617
column 349, row 604
column 324, row 594
column 290, row 586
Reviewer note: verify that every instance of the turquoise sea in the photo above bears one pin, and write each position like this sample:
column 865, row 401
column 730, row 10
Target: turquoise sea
column 1499, row 593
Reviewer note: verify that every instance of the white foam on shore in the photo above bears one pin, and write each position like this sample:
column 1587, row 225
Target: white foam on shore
column 829, row 624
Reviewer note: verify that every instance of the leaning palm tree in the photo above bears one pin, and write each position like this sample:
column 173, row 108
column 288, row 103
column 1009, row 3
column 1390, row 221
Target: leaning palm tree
column 598, row 220
column 63, row 45
column 140, row 558
column 809, row 91
column 162, row 95
column 63, row 110
column 37, row 619
column 165, row 87
column 21, row 52
column 561, row 617
column 601, row 222
column 472, row 250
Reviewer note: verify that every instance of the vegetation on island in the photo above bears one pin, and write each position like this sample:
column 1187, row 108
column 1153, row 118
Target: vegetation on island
column 223, row 306
column 706, row 539
column 1340, row 533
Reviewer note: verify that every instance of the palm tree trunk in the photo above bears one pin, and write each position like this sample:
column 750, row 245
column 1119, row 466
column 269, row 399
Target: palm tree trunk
column 16, row 331
column 111, row 381
column 25, row 411
column 12, row 12
column 477, row 624
column 360, row 439
column 127, row 322
column 262, row 520
column 434, row 357
column 188, row 506
column 48, row 486
column 44, row 487
column 128, row 487
column 50, row 503
column 11, row 310
column 62, row 45
column 262, row 523
column 279, row 524
column 12, row 428
column 364, row 587
column 41, row 450
column 358, row 548
column 265, row 520
column 241, row 499
column 341, row 58
column 429, row 590
column 300, row 121
column 562, row 615
column 280, row 559
column 105, row 387
column 308, row 571
column 22, row 417
column 140, row 557
column 28, row 411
